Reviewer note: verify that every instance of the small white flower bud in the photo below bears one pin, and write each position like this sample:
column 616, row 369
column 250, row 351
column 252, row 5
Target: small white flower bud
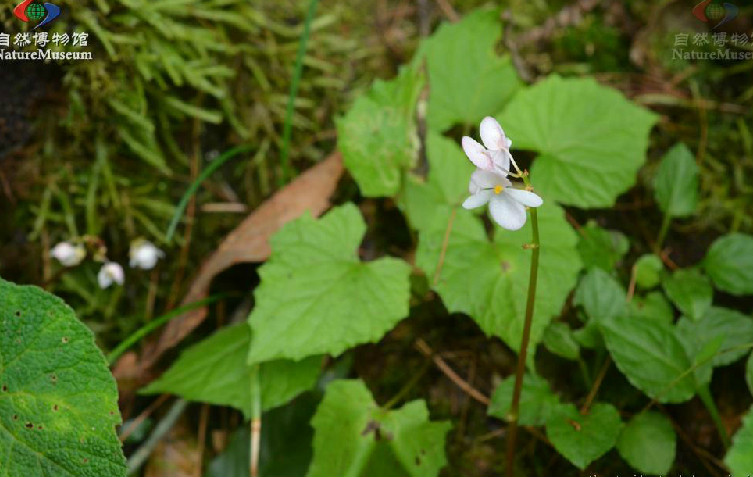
column 68, row 254
column 144, row 254
column 110, row 273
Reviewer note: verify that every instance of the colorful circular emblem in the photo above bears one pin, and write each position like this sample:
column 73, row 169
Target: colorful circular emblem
column 35, row 11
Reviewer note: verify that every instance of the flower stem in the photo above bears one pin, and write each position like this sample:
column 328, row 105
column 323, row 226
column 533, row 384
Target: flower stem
column 255, row 422
column 532, row 280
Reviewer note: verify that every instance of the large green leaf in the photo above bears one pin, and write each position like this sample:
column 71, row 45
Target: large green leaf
column 739, row 458
column 58, row 400
column 591, row 140
column 690, row 291
column 676, row 182
column 648, row 443
column 468, row 79
column 377, row 137
column 489, row 280
column 317, row 297
column 445, row 188
column 215, row 371
column 584, row 438
column 537, row 401
column 651, row 357
column 729, row 263
column 601, row 248
column 749, row 373
column 356, row 438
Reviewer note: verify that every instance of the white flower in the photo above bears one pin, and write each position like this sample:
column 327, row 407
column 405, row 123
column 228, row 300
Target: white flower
column 110, row 273
column 144, row 254
column 68, row 254
column 489, row 183
column 494, row 155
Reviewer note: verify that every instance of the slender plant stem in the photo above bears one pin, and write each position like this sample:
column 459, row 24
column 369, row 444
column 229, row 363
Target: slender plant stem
column 408, row 386
column 705, row 394
column 596, row 385
column 287, row 171
column 532, row 281
column 663, row 232
column 255, row 422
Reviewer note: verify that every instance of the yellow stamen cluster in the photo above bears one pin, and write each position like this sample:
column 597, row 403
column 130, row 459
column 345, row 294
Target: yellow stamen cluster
column 498, row 189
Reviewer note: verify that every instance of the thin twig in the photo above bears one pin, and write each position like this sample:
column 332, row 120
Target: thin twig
column 631, row 286
column 424, row 348
column 203, row 418
column 596, row 385
column 448, row 11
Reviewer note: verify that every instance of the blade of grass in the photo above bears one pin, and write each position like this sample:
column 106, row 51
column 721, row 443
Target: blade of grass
column 287, row 171
column 223, row 158
column 154, row 324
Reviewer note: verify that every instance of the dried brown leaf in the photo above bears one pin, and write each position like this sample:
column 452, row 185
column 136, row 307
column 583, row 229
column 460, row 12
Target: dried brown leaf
column 249, row 242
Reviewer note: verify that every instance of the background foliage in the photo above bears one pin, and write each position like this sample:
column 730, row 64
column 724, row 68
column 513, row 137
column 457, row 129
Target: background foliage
column 644, row 310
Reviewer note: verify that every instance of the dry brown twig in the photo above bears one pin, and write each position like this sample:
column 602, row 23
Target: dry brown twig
column 426, row 350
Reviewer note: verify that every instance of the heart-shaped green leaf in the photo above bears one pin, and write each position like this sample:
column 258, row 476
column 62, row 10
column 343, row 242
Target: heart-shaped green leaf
column 377, row 137
column 489, row 280
column 584, row 438
column 729, row 263
column 468, row 79
column 317, row 297
column 537, row 401
column 676, row 182
column 591, row 140
column 648, row 443
column 356, row 438
column 690, row 291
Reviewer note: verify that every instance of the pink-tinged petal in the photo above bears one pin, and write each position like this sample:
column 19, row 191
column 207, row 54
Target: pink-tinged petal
column 478, row 199
column 492, row 134
column 501, row 161
column 525, row 197
column 478, row 154
column 508, row 213
column 481, row 179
